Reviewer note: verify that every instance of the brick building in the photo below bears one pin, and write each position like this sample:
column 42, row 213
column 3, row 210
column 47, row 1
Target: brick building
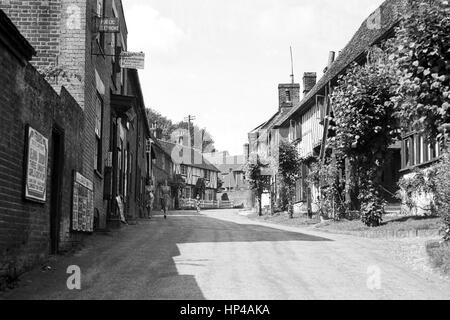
column 163, row 169
column 72, row 52
column 40, row 150
column 265, row 139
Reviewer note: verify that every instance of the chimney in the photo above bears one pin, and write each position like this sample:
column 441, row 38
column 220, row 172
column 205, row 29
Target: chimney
column 289, row 95
column 309, row 81
column 331, row 58
column 246, row 152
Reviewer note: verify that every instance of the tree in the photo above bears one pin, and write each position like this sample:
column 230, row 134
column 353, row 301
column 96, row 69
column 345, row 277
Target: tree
column 257, row 181
column 157, row 119
column 289, row 166
column 365, row 127
column 420, row 52
column 201, row 139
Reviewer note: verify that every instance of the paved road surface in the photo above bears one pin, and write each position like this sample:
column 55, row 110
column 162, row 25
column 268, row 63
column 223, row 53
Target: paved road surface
column 222, row 255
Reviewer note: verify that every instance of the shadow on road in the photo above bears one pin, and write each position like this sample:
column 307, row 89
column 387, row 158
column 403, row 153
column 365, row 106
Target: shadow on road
column 138, row 262
column 216, row 230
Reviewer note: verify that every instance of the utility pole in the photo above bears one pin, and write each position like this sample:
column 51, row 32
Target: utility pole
column 292, row 67
column 189, row 119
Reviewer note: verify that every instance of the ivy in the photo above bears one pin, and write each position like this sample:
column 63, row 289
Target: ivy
column 258, row 182
column 365, row 127
column 420, row 54
column 289, row 166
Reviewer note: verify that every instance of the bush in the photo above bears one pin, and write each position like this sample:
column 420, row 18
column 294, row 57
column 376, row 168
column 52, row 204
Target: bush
column 439, row 254
column 442, row 192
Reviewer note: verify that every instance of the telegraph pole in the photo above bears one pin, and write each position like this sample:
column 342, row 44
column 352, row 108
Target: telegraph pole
column 189, row 119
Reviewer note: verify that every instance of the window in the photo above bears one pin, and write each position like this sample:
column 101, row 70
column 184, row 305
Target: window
column 292, row 130
column 207, row 175
column 183, row 169
column 288, row 96
column 298, row 131
column 98, row 134
column 320, row 102
column 416, row 151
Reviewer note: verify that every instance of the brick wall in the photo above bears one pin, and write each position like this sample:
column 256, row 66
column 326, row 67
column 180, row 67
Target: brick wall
column 27, row 99
column 62, row 33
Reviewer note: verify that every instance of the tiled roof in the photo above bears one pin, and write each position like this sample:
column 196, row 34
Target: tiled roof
column 168, row 148
column 367, row 35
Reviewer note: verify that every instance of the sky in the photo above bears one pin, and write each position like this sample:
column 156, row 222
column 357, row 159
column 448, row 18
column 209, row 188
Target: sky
column 222, row 60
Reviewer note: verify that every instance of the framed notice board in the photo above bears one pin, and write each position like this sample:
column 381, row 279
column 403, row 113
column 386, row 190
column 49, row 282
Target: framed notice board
column 36, row 166
column 82, row 204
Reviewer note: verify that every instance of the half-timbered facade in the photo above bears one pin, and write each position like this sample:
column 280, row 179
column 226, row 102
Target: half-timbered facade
column 199, row 176
column 309, row 123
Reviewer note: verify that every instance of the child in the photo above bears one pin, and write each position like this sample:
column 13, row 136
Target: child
column 197, row 203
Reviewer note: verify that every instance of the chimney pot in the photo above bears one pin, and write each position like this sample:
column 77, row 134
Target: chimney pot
column 309, row 81
column 331, row 58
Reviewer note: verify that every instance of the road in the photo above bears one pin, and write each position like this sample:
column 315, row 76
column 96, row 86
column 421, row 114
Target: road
column 221, row 255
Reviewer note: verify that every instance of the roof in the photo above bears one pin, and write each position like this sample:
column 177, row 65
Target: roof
column 11, row 36
column 168, row 148
column 367, row 35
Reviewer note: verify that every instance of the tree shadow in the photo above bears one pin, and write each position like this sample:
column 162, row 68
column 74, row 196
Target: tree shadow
column 409, row 218
column 139, row 262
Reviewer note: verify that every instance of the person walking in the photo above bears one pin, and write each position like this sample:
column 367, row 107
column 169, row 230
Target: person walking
column 150, row 200
column 165, row 198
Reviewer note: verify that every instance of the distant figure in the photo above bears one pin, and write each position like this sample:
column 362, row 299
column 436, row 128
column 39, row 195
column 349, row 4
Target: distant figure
column 197, row 203
column 150, row 200
column 165, row 198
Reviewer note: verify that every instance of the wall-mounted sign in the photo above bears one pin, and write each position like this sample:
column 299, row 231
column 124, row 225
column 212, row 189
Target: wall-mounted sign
column 83, row 204
column 37, row 161
column 132, row 60
column 109, row 25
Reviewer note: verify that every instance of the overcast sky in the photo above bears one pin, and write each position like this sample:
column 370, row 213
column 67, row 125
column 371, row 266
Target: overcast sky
column 222, row 60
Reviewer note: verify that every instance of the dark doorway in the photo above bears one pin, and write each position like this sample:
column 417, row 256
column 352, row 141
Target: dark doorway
column 56, row 189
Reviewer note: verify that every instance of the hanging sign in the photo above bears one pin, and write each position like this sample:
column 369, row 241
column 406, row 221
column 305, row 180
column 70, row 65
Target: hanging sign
column 37, row 161
column 83, row 204
column 109, row 25
column 132, row 60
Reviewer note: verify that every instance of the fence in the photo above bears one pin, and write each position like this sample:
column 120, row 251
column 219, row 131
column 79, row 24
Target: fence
column 191, row 204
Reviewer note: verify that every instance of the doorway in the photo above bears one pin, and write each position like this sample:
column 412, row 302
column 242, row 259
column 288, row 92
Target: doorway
column 56, row 187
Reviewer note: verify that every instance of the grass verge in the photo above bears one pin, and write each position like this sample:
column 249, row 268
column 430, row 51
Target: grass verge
column 439, row 254
column 390, row 224
column 283, row 219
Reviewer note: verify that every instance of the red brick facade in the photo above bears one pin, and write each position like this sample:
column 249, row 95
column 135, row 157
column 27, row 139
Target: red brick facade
column 28, row 100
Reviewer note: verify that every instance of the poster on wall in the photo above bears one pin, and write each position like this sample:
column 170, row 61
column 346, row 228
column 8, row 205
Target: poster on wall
column 83, row 204
column 37, row 161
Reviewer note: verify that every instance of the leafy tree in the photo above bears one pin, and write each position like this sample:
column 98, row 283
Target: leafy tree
column 157, row 119
column 420, row 53
column 254, row 175
column 442, row 193
column 201, row 138
column 365, row 127
column 289, row 166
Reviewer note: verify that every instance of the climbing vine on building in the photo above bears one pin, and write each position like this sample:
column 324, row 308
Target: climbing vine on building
column 420, row 54
column 289, row 166
column 365, row 127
